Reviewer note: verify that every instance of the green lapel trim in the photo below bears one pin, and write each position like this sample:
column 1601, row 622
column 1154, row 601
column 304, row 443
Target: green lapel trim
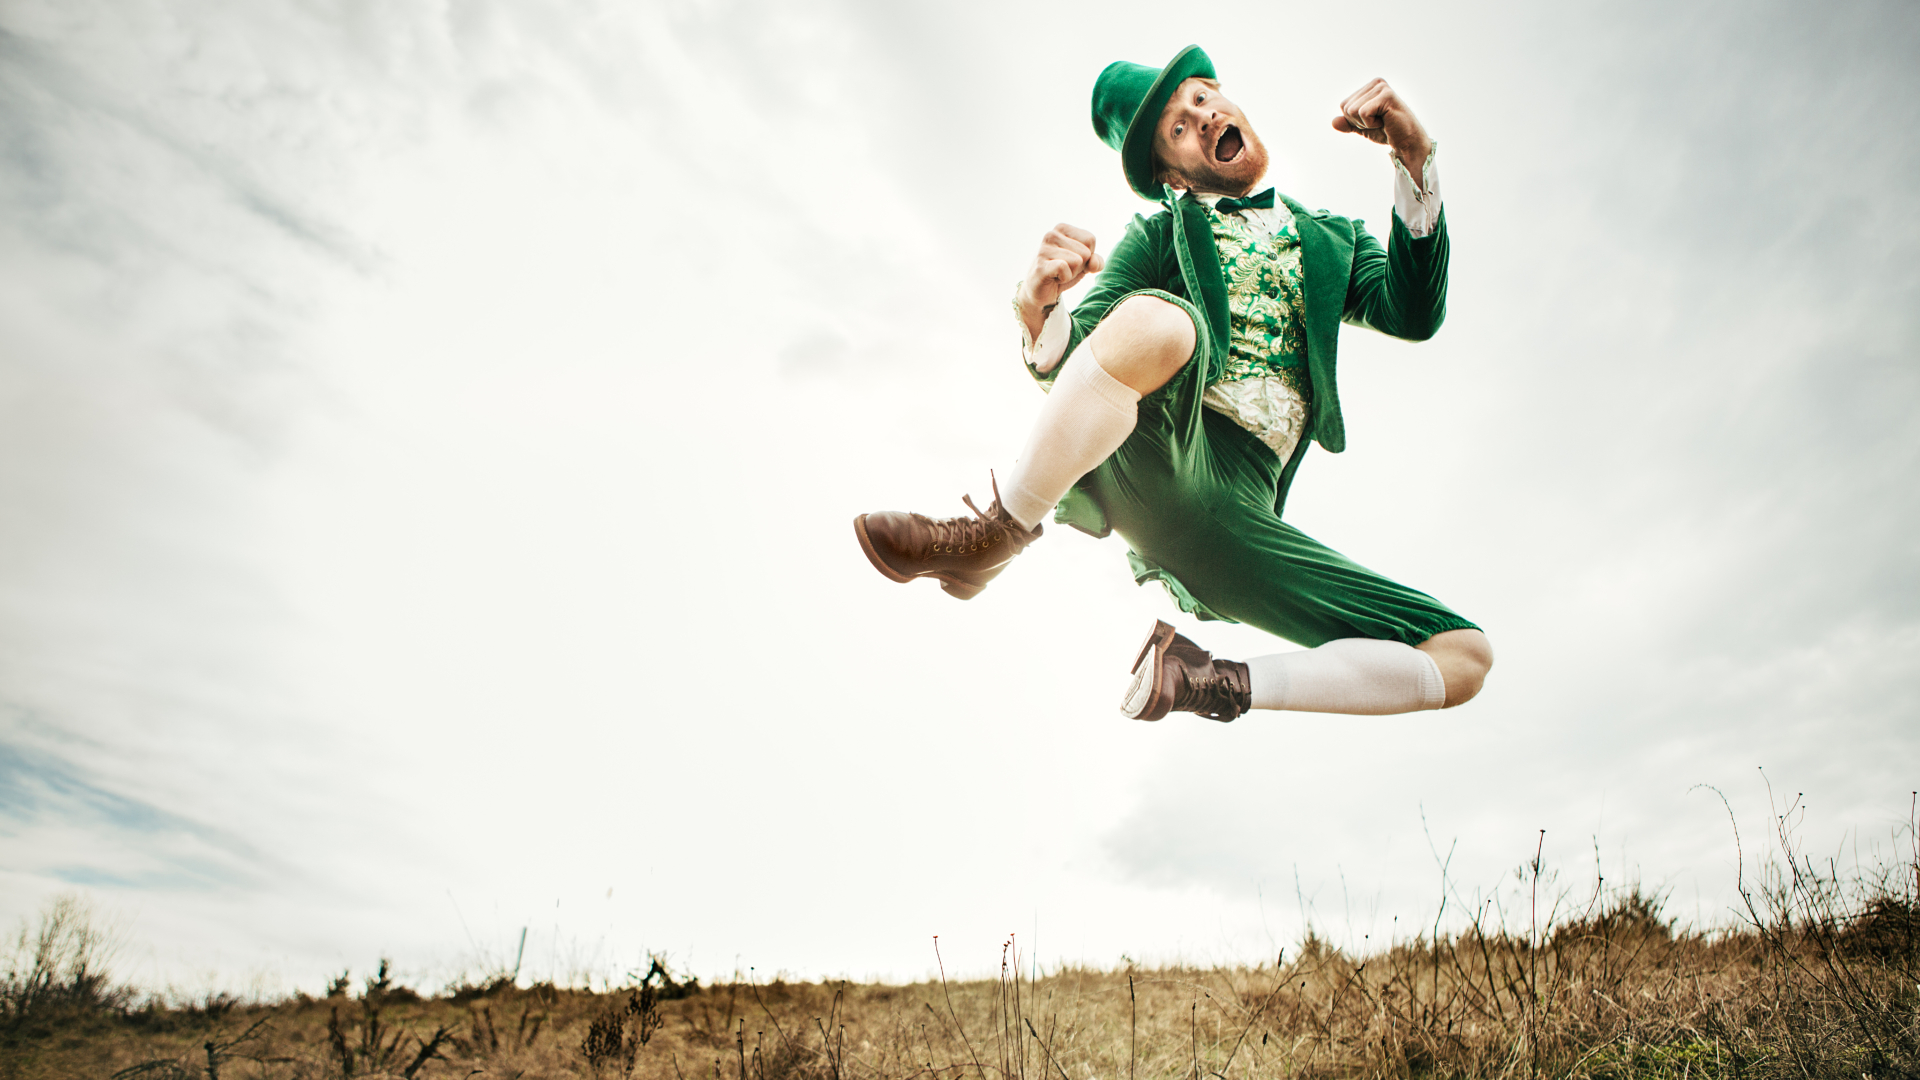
column 1326, row 254
column 1206, row 285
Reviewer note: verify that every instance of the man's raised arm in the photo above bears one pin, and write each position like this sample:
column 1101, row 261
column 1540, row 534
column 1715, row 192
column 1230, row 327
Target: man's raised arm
column 1377, row 113
column 1066, row 255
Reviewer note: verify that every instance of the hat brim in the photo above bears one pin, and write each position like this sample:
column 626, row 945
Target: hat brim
column 1136, row 151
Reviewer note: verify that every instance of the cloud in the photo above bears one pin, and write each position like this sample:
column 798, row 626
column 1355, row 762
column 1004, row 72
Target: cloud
column 116, row 840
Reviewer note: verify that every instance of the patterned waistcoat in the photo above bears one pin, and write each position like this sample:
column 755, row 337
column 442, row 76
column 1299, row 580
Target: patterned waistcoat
column 1265, row 387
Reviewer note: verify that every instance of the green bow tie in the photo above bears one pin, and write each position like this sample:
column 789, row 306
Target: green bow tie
column 1260, row 201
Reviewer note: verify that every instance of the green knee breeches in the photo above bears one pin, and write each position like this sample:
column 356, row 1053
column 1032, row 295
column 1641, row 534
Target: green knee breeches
column 1193, row 493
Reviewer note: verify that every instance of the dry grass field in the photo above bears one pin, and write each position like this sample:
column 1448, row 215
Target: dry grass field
column 1820, row 978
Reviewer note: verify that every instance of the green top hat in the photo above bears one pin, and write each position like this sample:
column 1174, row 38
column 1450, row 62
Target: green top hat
column 1127, row 100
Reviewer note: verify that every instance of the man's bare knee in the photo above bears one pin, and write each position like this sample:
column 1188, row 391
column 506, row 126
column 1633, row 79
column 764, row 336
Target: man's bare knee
column 1143, row 342
column 1464, row 657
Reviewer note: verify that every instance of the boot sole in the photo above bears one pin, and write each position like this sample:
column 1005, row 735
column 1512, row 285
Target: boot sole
column 1144, row 699
column 956, row 587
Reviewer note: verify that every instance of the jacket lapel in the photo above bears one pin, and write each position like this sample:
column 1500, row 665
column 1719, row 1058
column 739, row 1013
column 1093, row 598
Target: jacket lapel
column 1200, row 267
column 1326, row 255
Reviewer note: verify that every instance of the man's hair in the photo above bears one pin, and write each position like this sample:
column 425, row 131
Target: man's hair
column 1160, row 172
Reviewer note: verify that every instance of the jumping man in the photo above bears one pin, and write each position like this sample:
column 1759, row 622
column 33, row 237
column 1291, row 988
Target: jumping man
column 1186, row 387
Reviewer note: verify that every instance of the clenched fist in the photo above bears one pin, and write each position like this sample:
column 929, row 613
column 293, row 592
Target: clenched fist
column 1376, row 112
column 1066, row 255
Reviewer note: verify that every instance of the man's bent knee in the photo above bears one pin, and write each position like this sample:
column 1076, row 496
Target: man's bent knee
column 1464, row 657
column 1143, row 342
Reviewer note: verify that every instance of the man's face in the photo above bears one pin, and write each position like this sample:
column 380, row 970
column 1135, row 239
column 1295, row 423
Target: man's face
column 1204, row 143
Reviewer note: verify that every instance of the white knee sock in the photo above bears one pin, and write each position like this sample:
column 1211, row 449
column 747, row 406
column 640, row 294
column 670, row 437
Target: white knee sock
column 1351, row 675
column 1087, row 416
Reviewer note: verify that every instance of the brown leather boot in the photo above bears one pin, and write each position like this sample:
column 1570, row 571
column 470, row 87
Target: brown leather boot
column 962, row 553
column 1172, row 674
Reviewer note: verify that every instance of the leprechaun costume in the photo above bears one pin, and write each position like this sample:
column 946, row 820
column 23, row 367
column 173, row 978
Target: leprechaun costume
column 1199, row 476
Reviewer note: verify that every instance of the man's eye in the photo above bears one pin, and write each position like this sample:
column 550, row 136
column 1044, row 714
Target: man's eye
column 1179, row 130
column 1201, row 100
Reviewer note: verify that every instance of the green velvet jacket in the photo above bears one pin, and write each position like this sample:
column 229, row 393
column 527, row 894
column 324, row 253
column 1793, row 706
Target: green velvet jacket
column 1399, row 289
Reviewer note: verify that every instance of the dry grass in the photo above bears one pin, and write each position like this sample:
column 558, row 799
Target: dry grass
column 1821, row 979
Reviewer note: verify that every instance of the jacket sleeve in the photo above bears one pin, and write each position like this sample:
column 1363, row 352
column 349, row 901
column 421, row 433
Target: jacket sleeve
column 1141, row 260
column 1400, row 289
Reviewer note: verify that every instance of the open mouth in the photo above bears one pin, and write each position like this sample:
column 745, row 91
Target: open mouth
column 1230, row 144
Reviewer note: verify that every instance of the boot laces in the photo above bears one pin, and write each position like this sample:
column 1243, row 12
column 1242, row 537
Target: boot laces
column 1211, row 695
column 964, row 533
column 958, row 535
column 1207, row 690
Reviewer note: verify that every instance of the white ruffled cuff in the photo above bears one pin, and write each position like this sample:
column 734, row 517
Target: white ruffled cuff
column 1417, row 204
column 1045, row 351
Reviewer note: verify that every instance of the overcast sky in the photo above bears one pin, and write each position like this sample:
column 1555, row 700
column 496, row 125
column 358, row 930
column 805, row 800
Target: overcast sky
column 429, row 435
